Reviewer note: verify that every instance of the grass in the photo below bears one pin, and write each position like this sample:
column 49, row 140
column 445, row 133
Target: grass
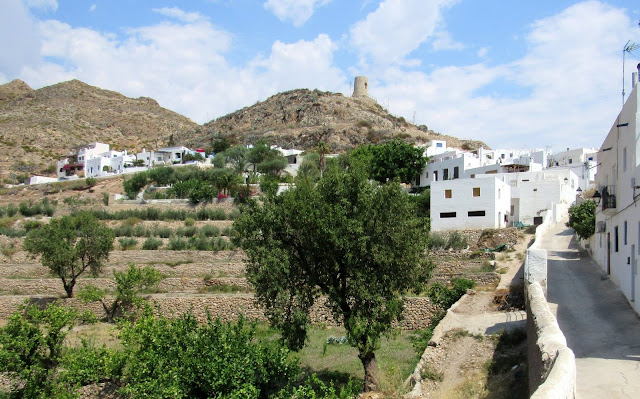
column 396, row 358
column 428, row 373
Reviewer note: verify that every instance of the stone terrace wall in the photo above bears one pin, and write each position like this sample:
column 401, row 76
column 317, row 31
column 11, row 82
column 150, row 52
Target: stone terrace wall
column 417, row 315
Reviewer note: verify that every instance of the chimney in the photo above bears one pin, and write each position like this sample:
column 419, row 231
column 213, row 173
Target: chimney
column 634, row 77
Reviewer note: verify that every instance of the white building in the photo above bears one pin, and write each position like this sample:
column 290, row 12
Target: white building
column 470, row 204
column 582, row 161
column 616, row 244
column 533, row 193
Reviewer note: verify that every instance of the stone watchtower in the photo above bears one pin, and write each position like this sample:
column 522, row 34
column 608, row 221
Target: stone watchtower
column 361, row 87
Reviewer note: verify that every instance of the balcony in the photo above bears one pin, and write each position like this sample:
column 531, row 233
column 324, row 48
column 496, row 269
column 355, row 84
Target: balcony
column 608, row 197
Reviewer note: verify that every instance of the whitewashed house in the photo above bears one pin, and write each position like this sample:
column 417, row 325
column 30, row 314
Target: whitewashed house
column 533, row 193
column 616, row 244
column 582, row 161
column 470, row 204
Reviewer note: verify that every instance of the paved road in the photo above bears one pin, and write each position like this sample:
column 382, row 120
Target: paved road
column 600, row 326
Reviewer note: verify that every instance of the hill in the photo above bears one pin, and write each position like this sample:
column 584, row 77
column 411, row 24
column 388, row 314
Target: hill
column 39, row 126
column 302, row 118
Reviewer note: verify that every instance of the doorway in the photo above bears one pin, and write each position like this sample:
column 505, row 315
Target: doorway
column 633, row 273
column 608, row 253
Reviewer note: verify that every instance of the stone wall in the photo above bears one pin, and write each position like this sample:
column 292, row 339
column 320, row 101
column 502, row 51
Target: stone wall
column 417, row 314
column 481, row 279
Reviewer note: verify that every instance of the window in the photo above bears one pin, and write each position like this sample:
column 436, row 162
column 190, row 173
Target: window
column 624, row 232
column 511, row 155
column 456, row 172
column 418, row 180
column 570, row 160
column 435, row 176
column 445, row 174
column 447, row 215
column 447, row 193
column 615, row 238
column 624, row 159
column 472, row 214
column 438, row 145
column 502, row 156
column 476, row 191
column 590, row 158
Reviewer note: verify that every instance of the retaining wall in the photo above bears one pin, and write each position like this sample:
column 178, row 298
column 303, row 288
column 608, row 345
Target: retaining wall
column 417, row 314
column 552, row 365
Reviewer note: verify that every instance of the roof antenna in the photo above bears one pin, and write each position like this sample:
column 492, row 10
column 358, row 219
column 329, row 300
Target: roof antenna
column 628, row 48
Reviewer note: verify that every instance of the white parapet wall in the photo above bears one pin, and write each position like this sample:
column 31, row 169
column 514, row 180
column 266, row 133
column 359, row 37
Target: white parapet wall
column 552, row 365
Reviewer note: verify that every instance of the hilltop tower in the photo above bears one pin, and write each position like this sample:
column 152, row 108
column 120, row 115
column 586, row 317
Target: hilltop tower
column 361, row 87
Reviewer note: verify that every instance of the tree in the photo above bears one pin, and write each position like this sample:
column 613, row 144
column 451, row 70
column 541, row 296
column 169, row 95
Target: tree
column 31, row 348
column 135, row 183
column 70, row 245
column 237, row 156
column 357, row 243
column 582, row 218
column 129, row 285
column 323, row 150
column 219, row 143
column 391, row 160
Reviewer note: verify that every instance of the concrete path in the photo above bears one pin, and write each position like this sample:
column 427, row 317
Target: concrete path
column 600, row 326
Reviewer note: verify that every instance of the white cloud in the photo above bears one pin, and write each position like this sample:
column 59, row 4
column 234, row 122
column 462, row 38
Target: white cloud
column 45, row 5
column 482, row 52
column 442, row 40
column 296, row 11
column 181, row 64
column 180, row 15
column 93, row 7
column 566, row 88
column 20, row 44
column 397, row 28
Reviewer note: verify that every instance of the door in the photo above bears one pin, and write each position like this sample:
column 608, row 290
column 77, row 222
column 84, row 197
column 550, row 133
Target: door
column 608, row 253
column 633, row 273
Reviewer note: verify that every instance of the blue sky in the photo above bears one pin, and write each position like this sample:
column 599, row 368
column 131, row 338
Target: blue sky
column 511, row 73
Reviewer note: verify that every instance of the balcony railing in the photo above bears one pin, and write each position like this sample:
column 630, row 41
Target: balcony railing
column 608, row 197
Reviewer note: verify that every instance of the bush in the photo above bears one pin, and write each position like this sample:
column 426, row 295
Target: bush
column 437, row 241
column 151, row 244
column 210, row 230
column 189, row 222
column 177, row 244
column 456, row 241
column 582, row 219
column 178, row 357
column 127, row 243
column 444, row 296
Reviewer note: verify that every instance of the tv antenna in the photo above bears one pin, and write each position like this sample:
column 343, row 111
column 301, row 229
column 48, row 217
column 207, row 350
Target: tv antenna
column 628, row 48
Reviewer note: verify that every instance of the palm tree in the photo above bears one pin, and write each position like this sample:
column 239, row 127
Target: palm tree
column 322, row 149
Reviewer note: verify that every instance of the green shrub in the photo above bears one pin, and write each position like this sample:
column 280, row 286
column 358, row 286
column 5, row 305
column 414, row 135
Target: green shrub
column 163, row 232
column 151, row 244
column 189, row 222
column 456, row 241
column 437, row 241
column 444, row 296
column 31, row 224
column 179, row 357
column 209, row 230
column 177, row 244
column 127, row 243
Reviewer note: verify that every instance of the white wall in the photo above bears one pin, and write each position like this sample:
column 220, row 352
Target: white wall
column 620, row 177
column 494, row 200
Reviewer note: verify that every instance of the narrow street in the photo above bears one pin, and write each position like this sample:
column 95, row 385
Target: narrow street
column 601, row 328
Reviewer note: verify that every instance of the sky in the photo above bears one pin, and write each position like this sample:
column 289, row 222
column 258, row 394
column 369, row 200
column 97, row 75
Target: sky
column 514, row 74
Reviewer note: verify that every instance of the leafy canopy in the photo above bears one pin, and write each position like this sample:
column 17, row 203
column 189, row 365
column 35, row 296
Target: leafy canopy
column 70, row 245
column 582, row 218
column 394, row 159
column 357, row 243
column 129, row 285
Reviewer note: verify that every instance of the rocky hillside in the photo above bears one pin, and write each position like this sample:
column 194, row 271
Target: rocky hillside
column 39, row 126
column 301, row 118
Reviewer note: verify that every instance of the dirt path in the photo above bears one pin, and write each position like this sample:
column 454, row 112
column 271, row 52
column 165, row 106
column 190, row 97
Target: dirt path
column 463, row 345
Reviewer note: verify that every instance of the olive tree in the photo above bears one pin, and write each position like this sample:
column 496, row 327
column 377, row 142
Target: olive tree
column 70, row 245
column 352, row 241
